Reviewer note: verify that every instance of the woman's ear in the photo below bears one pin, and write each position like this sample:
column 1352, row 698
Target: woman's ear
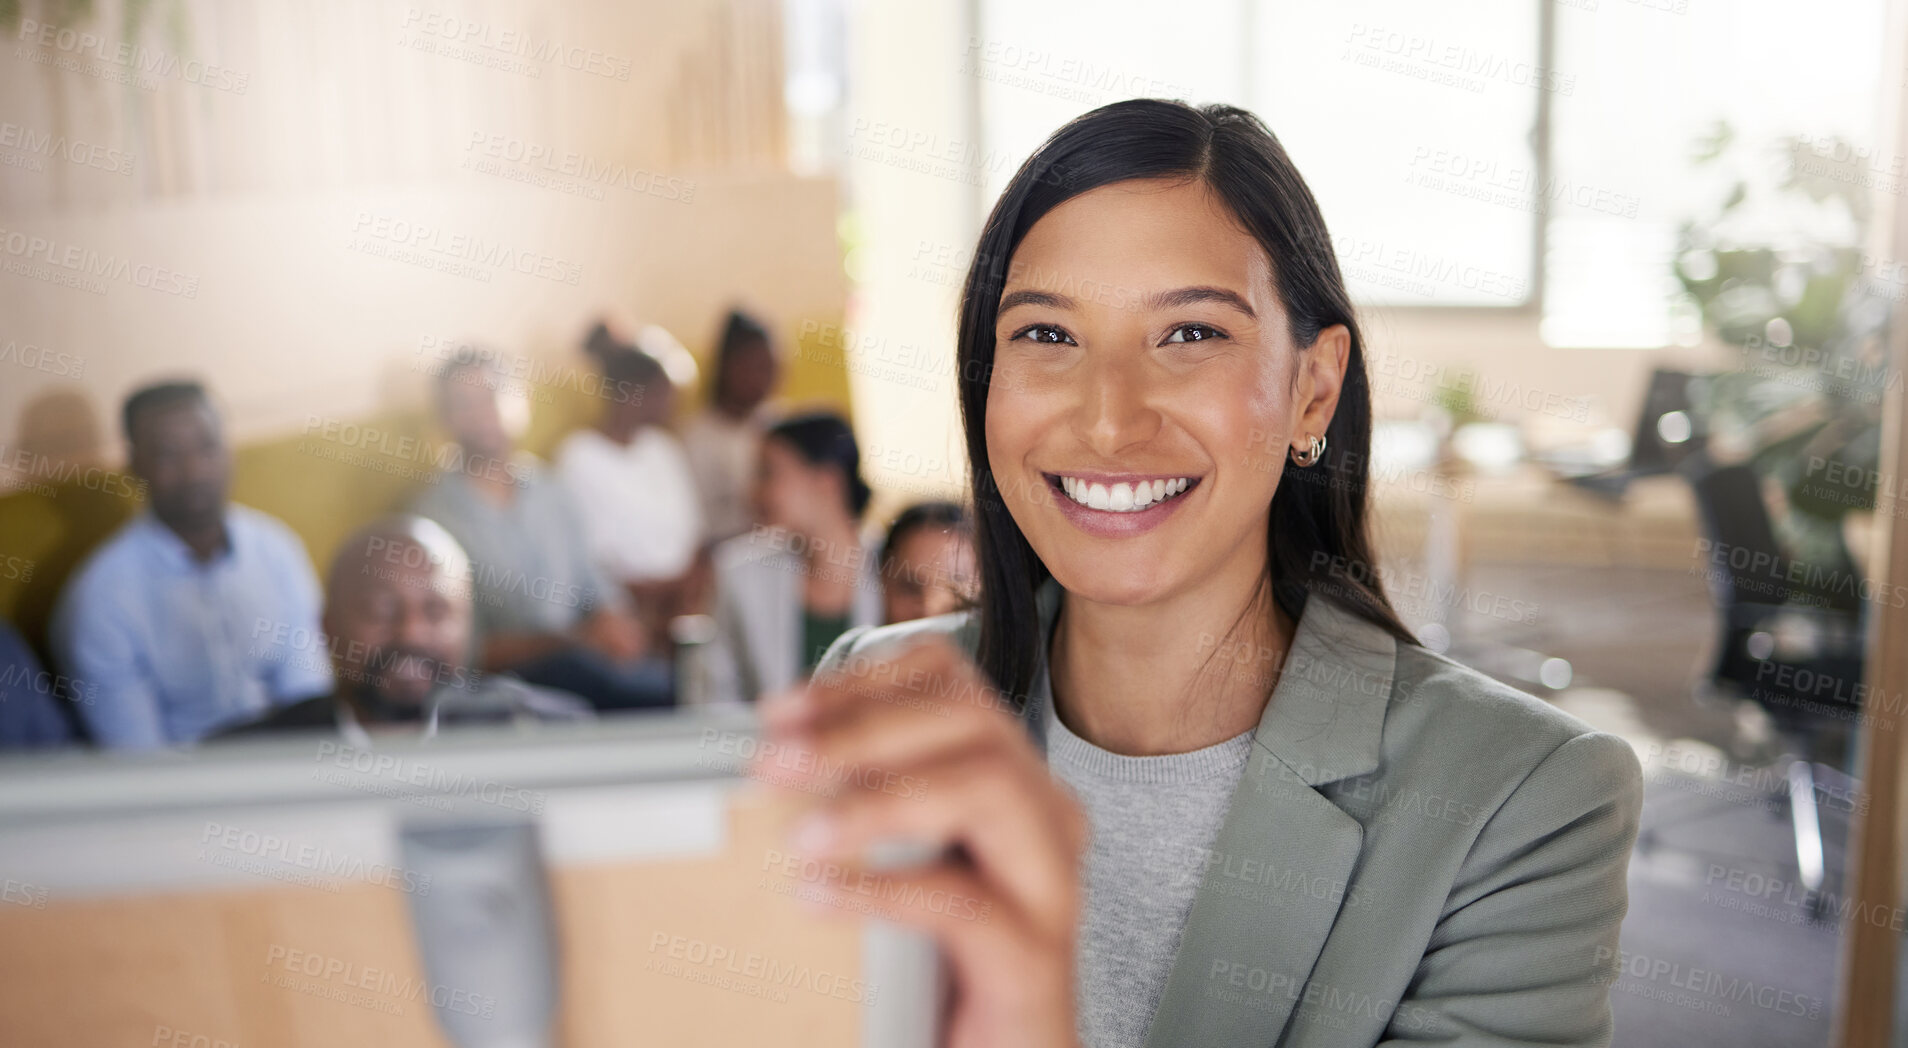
column 1321, row 378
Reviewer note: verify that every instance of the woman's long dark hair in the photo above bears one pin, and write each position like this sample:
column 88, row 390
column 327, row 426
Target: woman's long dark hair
column 1317, row 537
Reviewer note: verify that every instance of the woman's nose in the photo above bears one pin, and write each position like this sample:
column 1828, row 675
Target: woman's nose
column 1116, row 409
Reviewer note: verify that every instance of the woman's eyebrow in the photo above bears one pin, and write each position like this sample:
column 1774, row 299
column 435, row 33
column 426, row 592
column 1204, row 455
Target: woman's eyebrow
column 1158, row 300
column 1029, row 297
column 1187, row 296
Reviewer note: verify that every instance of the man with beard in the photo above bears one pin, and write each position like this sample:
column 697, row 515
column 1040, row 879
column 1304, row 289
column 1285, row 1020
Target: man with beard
column 397, row 625
column 188, row 618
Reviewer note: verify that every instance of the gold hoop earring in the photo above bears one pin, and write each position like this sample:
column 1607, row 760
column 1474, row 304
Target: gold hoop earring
column 1311, row 455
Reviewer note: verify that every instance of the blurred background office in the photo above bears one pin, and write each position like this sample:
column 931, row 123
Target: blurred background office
column 560, row 279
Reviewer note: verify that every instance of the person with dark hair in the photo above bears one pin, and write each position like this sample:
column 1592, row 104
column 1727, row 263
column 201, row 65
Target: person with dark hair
column 631, row 481
column 787, row 589
column 190, row 617
column 545, row 610
column 398, row 618
column 927, row 562
column 722, row 439
column 1233, row 802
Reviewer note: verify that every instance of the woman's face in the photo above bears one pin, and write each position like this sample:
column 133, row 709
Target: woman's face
column 793, row 493
column 751, row 373
column 1146, row 390
column 931, row 572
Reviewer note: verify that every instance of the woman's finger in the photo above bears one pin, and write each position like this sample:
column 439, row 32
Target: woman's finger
column 1016, row 824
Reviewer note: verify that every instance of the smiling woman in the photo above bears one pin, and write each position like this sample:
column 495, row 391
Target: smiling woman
column 1236, row 802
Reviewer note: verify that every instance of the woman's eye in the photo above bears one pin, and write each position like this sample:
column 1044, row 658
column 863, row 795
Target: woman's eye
column 1044, row 333
column 1194, row 333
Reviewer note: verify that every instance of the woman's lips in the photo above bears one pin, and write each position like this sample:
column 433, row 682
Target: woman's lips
column 1119, row 505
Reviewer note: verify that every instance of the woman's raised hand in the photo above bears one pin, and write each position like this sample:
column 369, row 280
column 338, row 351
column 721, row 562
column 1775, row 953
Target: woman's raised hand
column 926, row 751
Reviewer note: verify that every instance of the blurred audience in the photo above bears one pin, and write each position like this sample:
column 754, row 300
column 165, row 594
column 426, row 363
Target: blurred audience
column 723, row 438
column 187, row 619
column 33, row 701
column 927, row 562
column 630, row 479
column 545, row 611
column 398, row 618
column 788, row 588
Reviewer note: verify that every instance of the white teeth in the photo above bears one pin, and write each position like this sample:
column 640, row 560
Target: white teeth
column 1124, row 497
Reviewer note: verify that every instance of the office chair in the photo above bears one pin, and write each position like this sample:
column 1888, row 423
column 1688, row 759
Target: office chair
column 1654, row 446
column 1790, row 641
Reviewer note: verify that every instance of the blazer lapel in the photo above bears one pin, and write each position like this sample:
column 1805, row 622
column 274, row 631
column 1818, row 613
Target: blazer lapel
column 1285, row 856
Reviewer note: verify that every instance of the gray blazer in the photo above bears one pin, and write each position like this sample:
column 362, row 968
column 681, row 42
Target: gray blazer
column 757, row 647
column 1415, row 853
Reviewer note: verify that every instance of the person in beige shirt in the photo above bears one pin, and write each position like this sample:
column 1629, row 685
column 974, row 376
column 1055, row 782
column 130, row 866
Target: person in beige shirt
column 723, row 438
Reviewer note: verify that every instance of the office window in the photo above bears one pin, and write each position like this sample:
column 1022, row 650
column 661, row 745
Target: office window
column 1420, row 150
column 1038, row 65
column 1654, row 76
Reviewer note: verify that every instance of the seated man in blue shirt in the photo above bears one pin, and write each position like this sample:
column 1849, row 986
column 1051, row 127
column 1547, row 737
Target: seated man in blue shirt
column 188, row 618
column 398, row 637
column 545, row 611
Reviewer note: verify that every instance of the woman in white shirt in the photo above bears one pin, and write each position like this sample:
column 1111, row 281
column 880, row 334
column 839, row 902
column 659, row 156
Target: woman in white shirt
column 631, row 480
